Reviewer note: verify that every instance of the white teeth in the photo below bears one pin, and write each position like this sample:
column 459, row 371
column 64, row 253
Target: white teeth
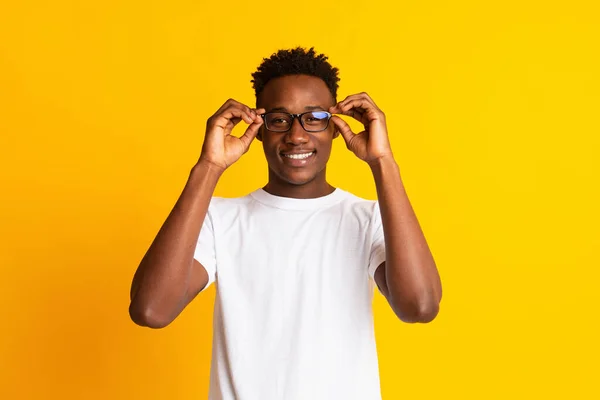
column 298, row 156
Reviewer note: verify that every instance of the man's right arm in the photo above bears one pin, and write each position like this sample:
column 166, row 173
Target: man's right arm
column 168, row 276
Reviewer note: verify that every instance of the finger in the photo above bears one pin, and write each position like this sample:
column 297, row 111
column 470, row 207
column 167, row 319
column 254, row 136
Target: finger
column 231, row 104
column 360, row 109
column 224, row 106
column 250, row 134
column 366, row 100
column 363, row 96
column 253, row 115
column 230, row 117
column 232, row 123
column 259, row 112
column 343, row 128
column 248, row 115
column 358, row 103
column 347, row 104
column 352, row 110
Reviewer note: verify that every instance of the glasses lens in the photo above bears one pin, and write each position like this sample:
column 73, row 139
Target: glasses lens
column 315, row 121
column 278, row 122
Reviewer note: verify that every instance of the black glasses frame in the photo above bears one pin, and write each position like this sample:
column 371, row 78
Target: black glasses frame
column 299, row 117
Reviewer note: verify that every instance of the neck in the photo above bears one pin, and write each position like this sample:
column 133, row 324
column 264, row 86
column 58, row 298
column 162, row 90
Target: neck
column 318, row 187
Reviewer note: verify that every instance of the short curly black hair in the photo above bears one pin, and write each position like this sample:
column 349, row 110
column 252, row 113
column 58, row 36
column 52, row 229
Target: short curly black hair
column 293, row 62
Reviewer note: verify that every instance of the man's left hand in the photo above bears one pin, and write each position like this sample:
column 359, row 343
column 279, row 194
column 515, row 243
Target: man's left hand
column 372, row 143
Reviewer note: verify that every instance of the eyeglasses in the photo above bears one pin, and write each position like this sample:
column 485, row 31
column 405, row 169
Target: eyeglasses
column 311, row 121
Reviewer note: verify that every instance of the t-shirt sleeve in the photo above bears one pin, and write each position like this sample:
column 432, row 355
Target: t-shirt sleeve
column 377, row 255
column 205, row 251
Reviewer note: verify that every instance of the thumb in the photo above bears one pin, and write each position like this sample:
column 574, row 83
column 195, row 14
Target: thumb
column 251, row 133
column 343, row 128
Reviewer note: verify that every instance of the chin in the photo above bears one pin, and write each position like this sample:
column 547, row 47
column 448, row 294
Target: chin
column 297, row 179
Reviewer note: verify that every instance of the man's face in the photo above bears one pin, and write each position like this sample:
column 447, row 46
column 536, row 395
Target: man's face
column 286, row 152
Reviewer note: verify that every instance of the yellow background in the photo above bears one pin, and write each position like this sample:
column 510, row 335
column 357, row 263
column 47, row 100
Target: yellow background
column 493, row 112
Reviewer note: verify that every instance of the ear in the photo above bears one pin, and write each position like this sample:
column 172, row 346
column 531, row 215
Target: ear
column 260, row 130
column 336, row 132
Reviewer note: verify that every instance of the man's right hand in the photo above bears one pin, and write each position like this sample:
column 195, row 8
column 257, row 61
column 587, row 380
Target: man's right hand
column 220, row 147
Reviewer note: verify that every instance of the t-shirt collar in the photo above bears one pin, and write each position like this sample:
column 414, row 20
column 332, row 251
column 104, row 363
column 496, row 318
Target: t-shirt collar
column 289, row 203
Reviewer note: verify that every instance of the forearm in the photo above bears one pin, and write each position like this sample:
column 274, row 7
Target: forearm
column 161, row 282
column 412, row 278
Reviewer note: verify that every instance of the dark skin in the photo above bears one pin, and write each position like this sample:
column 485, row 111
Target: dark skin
column 409, row 278
column 290, row 94
column 169, row 278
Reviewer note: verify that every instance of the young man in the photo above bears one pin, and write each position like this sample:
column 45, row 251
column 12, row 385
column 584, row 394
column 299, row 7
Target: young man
column 295, row 262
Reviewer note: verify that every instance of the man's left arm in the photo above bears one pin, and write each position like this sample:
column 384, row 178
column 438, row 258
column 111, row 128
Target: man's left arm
column 409, row 273
column 408, row 278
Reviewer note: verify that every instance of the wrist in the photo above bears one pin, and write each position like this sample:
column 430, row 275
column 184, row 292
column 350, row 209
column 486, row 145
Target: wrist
column 207, row 168
column 385, row 161
column 385, row 169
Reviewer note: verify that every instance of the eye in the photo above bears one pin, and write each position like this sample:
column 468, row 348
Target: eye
column 316, row 117
column 279, row 120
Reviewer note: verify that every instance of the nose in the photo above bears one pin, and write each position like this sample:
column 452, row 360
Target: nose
column 296, row 135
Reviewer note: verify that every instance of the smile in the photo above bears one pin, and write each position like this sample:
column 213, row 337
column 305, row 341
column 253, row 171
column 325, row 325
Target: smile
column 302, row 156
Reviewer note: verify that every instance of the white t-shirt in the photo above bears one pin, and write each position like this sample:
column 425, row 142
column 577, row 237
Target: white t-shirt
column 293, row 311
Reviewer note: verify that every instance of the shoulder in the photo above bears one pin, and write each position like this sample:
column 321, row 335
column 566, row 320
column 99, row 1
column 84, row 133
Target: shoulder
column 352, row 200
column 224, row 202
column 358, row 206
column 223, row 206
column 219, row 203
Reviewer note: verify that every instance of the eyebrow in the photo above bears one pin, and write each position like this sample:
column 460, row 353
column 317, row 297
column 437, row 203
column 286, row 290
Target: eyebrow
column 307, row 108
